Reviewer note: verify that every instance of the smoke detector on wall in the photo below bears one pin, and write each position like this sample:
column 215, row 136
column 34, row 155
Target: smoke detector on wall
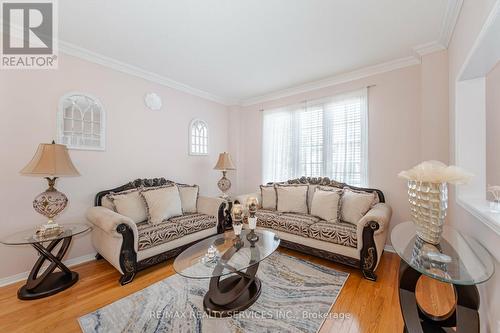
column 153, row 101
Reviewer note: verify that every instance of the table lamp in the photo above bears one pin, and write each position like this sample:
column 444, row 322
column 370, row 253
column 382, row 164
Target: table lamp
column 224, row 163
column 51, row 161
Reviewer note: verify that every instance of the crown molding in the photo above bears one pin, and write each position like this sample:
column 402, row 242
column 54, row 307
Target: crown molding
column 428, row 48
column 79, row 52
column 334, row 80
column 452, row 13
column 453, row 9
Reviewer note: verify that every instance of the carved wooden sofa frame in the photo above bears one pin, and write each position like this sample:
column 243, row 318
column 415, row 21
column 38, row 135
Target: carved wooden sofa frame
column 128, row 256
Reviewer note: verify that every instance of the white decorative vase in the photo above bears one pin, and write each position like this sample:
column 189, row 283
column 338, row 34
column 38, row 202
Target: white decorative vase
column 428, row 207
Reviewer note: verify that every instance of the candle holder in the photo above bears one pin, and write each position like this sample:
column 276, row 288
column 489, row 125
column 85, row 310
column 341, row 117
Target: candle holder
column 252, row 204
column 237, row 215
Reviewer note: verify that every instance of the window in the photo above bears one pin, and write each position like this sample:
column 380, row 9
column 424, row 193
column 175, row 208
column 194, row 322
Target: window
column 198, row 137
column 321, row 138
column 80, row 122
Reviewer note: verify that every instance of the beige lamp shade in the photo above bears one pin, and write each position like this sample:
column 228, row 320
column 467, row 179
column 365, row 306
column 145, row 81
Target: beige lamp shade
column 224, row 162
column 50, row 160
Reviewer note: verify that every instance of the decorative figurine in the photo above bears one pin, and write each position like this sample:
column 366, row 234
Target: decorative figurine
column 211, row 257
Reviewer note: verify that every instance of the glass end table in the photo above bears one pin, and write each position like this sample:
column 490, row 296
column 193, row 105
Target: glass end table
column 458, row 260
column 231, row 268
column 48, row 283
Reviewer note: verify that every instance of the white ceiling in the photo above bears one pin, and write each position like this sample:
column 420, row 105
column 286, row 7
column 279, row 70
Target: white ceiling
column 240, row 49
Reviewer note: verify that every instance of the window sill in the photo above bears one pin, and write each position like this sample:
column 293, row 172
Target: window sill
column 480, row 208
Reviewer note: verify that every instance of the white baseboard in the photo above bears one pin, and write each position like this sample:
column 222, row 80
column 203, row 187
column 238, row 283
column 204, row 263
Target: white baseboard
column 23, row 276
column 389, row 248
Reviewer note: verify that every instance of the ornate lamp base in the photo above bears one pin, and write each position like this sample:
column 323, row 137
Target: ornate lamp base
column 51, row 202
column 224, row 185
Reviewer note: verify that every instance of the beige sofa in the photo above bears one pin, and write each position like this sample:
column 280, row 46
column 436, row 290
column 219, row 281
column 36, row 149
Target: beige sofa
column 358, row 245
column 131, row 247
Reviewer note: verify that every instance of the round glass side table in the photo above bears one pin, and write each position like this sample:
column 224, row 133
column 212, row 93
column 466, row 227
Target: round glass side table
column 458, row 260
column 48, row 283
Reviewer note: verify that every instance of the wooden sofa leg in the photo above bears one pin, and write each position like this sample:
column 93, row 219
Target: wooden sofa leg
column 369, row 275
column 128, row 257
column 127, row 278
column 369, row 256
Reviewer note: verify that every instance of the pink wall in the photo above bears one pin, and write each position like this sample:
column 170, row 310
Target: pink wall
column 471, row 20
column 140, row 143
column 434, row 115
column 493, row 127
column 398, row 128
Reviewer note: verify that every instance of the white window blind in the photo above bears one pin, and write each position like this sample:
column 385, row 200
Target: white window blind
column 320, row 138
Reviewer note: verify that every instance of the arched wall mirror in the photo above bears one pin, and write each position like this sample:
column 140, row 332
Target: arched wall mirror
column 81, row 122
column 198, row 137
column 477, row 124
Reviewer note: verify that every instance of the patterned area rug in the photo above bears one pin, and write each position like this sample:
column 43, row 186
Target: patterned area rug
column 296, row 297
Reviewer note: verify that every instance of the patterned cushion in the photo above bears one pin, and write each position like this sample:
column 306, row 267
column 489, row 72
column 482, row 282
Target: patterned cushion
column 341, row 233
column 307, row 219
column 288, row 222
column 191, row 223
column 153, row 235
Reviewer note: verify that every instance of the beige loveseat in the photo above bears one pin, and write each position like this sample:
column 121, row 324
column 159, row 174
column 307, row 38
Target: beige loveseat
column 130, row 246
column 358, row 244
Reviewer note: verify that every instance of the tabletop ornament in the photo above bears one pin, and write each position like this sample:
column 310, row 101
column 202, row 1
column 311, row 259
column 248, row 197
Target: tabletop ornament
column 211, row 257
column 428, row 196
column 237, row 215
column 252, row 205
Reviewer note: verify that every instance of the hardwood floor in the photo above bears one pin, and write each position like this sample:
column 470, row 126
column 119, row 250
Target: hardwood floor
column 362, row 306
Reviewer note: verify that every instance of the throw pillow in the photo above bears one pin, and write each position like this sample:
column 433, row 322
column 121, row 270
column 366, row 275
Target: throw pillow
column 312, row 189
column 292, row 198
column 325, row 204
column 355, row 204
column 189, row 197
column 163, row 202
column 129, row 203
column 268, row 195
column 106, row 202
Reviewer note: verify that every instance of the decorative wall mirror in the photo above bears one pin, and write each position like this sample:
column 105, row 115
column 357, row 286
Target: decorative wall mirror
column 477, row 124
column 81, row 122
column 198, row 137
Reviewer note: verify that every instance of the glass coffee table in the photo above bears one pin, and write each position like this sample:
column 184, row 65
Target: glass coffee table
column 458, row 260
column 49, row 282
column 231, row 267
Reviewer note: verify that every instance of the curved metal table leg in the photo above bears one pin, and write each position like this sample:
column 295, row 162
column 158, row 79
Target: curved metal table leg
column 464, row 316
column 49, row 282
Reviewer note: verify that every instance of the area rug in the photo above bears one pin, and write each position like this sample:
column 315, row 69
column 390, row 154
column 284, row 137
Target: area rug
column 296, row 297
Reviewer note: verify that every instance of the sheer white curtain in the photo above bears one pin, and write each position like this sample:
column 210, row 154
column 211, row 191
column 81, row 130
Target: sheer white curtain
column 326, row 137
